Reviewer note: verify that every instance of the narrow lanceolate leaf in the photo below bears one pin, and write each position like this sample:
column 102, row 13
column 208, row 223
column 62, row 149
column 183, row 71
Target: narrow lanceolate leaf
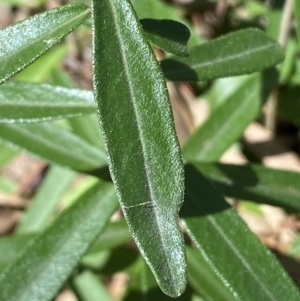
column 11, row 247
column 239, row 259
column 297, row 16
column 46, row 199
column 226, row 124
column 237, row 53
column 143, row 151
column 29, row 102
column 48, row 261
column 48, row 141
column 88, row 287
column 169, row 35
column 254, row 182
column 203, row 279
column 24, row 42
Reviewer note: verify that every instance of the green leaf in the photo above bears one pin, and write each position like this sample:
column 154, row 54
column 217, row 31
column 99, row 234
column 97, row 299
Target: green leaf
column 89, row 287
column 46, row 199
column 12, row 247
column 7, row 153
column 238, row 258
column 145, row 163
column 29, row 102
column 226, row 124
column 297, row 16
column 240, row 52
column 48, row 141
column 289, row 103
column 24, row 42
column 203, row 278
column 157, row 9
column 40, row 70
column 142, row 286
column 46, row 263
column 169, row 35
column 254, row 182
column 114, row 235
column 87, row 127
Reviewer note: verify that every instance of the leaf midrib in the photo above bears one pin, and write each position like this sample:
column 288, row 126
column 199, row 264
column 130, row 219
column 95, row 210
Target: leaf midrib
column 55, row 147
column 221, row 60
column 62, row 247
column 131, row 91
column 207, row 151
column 223, row 235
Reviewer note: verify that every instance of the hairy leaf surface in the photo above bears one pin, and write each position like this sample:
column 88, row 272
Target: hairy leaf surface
column 48, row 261
column 25, row 41
column 142, row 146
column 238, row 258
column 30, row 102
column 237, row 53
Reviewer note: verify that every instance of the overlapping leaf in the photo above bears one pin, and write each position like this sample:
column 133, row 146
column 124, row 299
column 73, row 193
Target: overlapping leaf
column 24, row 42
column 168, row 35
column 236, row 53
column 254, row 182
column 48, row 261
column 230, row 248
column 29, row 102
column 145, row 163
column 226, row 124
column 48, row 141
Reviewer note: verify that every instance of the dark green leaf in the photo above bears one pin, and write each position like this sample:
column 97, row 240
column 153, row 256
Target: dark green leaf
column 203, row 278
column 236, row 53
column 226, row 124
column 114, row 235
column 24, row 42
column 145, row 163
column 48, row 141
column 157, row 9
column 46, row 263
column 289, row 103
column 169, row 35
column 29, row 102
column 256, row 183
column 238, row 258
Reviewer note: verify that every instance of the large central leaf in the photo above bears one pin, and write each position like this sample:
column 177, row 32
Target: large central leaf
column 142, row 147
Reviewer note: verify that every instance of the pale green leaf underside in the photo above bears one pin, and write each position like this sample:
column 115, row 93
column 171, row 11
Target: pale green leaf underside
column 145, row 163
column 48, row 141
column 237, row 53
column 30, row 102
column 23, row 42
